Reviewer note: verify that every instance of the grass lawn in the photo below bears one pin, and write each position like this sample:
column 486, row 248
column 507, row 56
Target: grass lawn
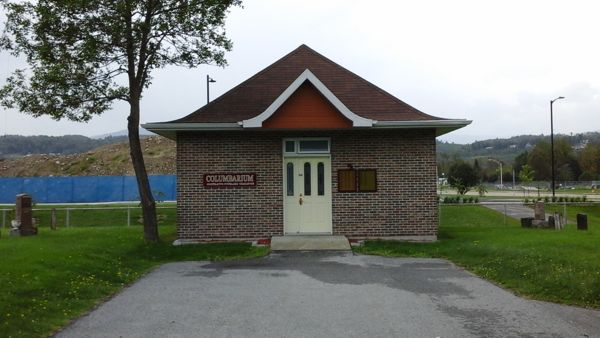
column 559, row 266
column 592, row 212
column 50, row 279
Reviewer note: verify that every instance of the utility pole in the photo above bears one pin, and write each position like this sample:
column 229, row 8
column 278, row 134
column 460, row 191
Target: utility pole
column 552, row 144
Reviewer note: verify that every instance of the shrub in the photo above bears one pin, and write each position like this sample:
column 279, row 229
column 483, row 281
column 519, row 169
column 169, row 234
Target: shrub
column 462, row 177
column 546, row 199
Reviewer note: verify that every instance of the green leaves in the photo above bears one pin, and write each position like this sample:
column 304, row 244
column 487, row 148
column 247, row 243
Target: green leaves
column 462, row 176
column 83, row 55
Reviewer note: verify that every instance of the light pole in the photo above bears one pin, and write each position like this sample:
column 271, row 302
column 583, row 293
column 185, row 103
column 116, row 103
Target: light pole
column 500, row 164
column 552, row 143
column 209, row 80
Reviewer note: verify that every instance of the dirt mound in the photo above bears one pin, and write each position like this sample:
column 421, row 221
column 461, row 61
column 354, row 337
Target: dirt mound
column 109, row 160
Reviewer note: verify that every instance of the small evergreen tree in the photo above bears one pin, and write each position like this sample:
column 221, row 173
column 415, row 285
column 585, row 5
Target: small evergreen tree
column 462, row 176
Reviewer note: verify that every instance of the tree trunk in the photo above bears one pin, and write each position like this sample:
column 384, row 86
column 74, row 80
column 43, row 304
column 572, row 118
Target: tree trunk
column 137, row 158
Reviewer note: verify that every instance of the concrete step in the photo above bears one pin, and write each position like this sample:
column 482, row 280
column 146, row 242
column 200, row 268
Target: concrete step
column 309, row 243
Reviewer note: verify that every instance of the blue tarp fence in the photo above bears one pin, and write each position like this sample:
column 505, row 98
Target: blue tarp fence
column 85, row 189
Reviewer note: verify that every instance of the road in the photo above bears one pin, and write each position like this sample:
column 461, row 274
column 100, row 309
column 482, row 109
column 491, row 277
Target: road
column 326, row 294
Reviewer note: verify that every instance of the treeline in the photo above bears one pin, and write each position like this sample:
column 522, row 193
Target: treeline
column 17, row 145
column 571, row 164
column 506, row 149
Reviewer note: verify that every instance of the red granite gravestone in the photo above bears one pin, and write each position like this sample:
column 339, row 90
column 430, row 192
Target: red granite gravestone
column 23, row 215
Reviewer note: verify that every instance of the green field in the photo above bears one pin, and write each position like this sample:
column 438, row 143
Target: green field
column 559, row 266
column 50, row 279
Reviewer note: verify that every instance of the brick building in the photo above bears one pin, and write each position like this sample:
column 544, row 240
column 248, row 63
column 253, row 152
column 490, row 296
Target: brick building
column 306, row 147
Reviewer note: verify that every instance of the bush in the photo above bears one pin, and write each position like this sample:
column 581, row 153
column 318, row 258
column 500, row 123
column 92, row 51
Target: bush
column 462, row 176
column 546, row 199
column 584, row 198
column 526, row 200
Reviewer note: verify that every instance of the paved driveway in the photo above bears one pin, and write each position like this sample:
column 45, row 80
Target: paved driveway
column 304, row 294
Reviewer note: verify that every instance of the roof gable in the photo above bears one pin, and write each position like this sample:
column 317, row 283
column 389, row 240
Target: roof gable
column 307, row 108
column 306, row 76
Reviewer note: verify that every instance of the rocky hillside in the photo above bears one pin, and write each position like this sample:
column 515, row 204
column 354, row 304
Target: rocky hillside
column 114, row 159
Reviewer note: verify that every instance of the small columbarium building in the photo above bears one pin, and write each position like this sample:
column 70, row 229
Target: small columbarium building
column 305, row 146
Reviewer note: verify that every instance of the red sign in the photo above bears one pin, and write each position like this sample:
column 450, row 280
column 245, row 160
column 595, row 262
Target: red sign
column 229, row 180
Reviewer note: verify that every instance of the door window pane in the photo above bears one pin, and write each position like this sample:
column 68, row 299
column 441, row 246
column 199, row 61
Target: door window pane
column 306, row 179
column 320, row 179
column 290, row 178
column 314, row 146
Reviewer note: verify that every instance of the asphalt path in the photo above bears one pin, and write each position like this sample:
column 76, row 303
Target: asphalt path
column 516, row 211
column 326, row 294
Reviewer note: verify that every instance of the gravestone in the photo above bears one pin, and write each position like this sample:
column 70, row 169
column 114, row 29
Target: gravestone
column 539, row 217
column 23, row 215
column 539, row 211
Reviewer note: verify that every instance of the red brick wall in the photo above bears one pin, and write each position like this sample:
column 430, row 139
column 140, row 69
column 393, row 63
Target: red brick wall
column 405, row 203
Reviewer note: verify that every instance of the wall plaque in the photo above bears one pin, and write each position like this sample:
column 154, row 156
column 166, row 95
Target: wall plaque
column 224, row 180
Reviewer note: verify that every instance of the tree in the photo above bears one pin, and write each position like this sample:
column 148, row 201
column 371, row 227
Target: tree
column 520, row 161
column 84, row 55
column 539, row 160
column 477, row 169
column 462, row 177
column 589, row 160
column 526, row 174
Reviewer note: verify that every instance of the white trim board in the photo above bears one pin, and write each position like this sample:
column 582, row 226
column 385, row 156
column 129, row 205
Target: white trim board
column 307, row 75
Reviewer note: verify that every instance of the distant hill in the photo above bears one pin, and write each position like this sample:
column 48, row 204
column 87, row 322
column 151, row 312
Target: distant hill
column 124, row 132
column 17, row 145
column 507, row 149
column 107, row 160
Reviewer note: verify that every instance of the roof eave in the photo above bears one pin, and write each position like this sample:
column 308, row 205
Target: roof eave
column 170, row 129
column 441, row 126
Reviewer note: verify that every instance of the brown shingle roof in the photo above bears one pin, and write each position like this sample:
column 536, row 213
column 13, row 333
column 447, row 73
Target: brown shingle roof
column 253, row 96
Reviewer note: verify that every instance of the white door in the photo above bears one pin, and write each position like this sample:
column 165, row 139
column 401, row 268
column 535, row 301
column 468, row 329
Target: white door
column 307, row 195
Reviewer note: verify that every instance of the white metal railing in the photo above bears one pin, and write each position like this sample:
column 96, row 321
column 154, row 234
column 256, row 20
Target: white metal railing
column 67, row 213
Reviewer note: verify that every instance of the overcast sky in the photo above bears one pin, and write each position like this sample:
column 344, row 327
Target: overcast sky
column 498, row 63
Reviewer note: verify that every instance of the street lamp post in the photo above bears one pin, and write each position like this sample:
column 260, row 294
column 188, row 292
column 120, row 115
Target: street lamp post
column 209, row 80
column 500, row 164
column 552, row 144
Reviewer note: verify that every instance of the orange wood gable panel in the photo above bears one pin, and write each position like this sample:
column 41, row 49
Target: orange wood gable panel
column 307, row 108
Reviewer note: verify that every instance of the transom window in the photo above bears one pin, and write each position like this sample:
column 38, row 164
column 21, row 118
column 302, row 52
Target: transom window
column 306, row 146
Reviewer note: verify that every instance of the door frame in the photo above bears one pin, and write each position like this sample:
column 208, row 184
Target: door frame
column 300, row 155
